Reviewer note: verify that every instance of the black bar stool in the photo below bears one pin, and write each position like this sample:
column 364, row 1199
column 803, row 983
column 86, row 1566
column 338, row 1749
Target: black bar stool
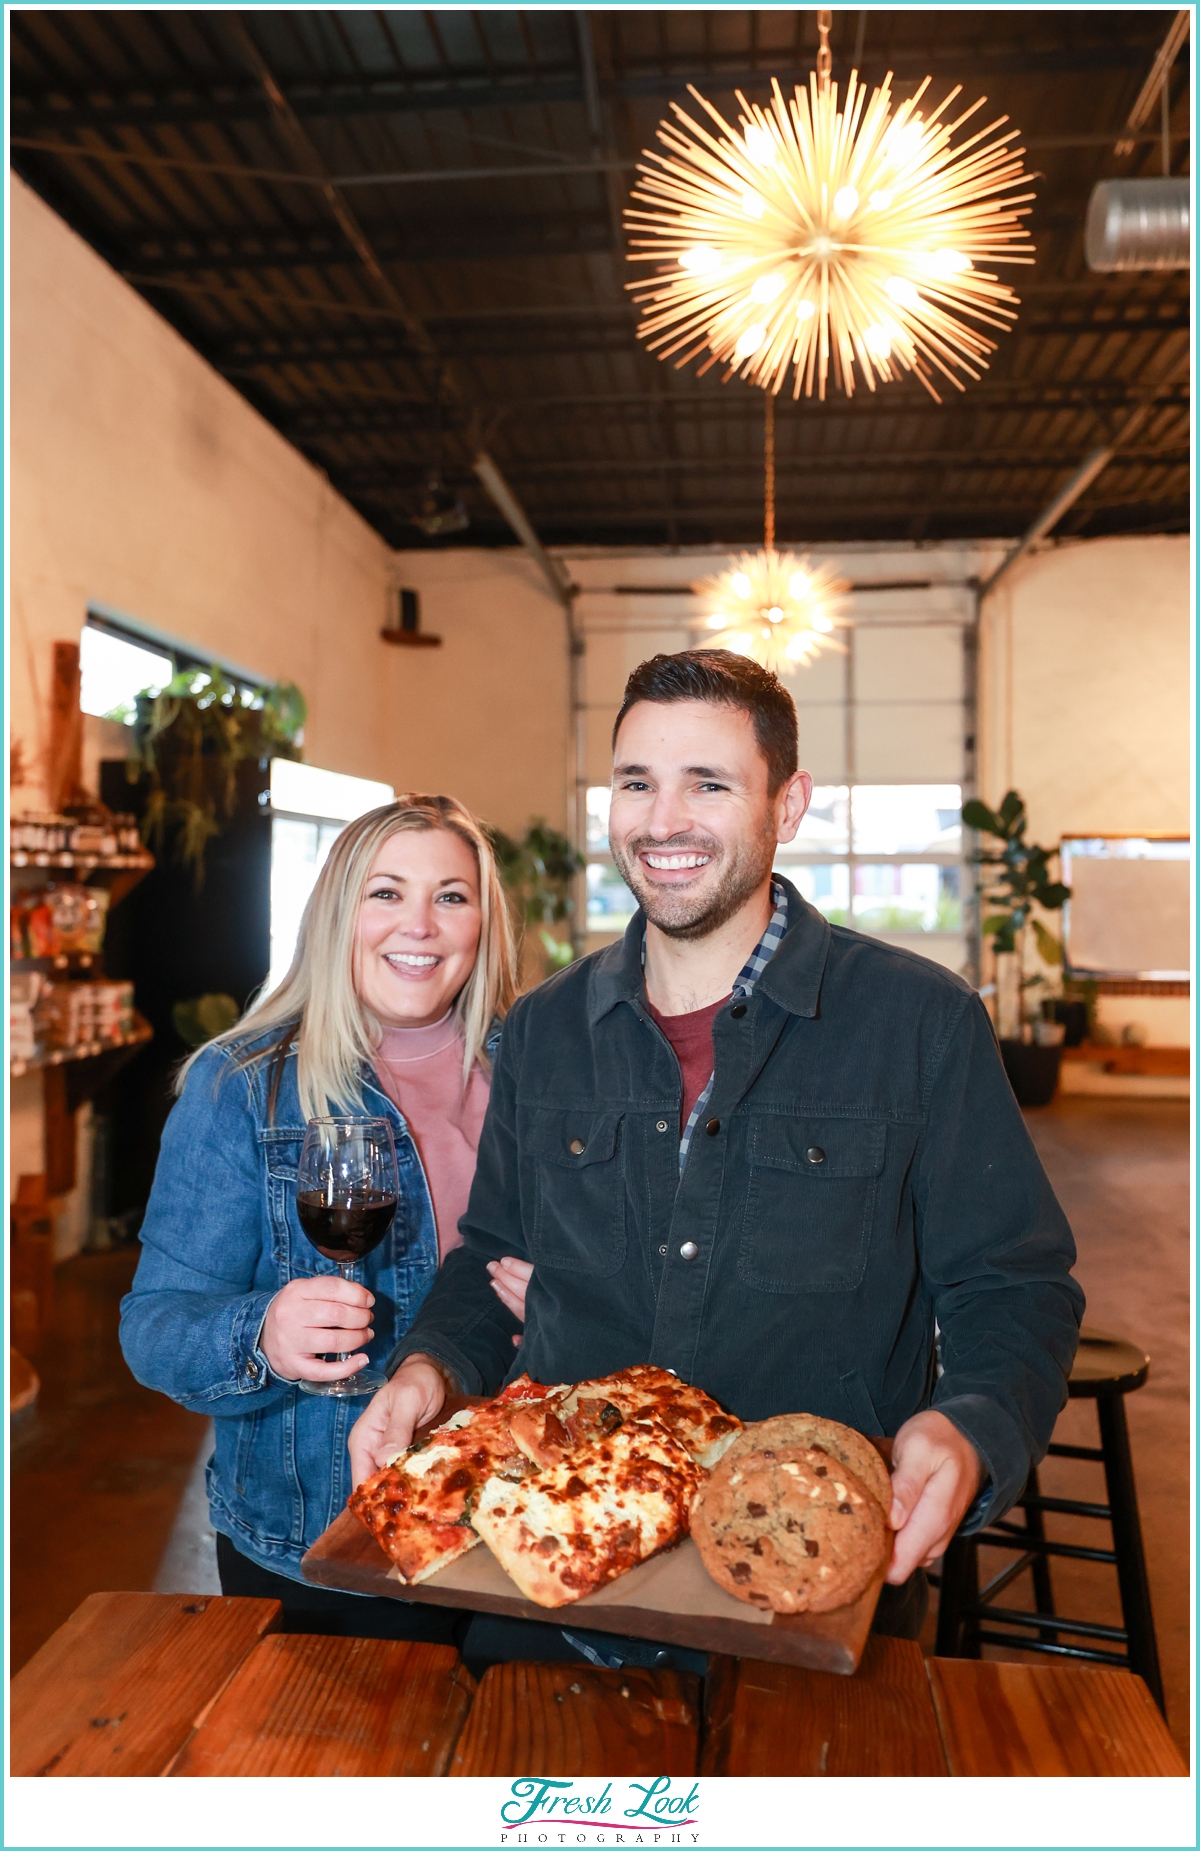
column 1106, row 1370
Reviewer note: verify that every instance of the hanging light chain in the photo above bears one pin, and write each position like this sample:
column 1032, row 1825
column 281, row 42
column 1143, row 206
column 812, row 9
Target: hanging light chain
column 769, row 476
column 824, row 56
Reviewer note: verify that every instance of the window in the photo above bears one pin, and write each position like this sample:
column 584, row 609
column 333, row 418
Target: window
column 116, row 664
column 113, row 671
column 309, row 809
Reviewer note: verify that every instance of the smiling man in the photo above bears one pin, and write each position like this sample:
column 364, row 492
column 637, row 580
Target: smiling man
column 768, row 1153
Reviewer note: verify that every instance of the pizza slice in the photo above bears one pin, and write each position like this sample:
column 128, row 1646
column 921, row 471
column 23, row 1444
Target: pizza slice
column 417, row 1548
column 575, row 1525
column 418, row 1507
column 699, row 1423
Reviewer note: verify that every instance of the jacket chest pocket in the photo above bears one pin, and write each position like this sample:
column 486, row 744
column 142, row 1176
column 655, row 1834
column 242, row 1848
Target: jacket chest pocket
column 579, row 1192
column 810, row 1203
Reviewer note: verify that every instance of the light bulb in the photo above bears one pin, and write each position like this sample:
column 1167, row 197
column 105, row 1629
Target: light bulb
column 821, row 622
column 880, row 201
column 845, row 201
column 775, row 614
column 750, row 340
column 752, row 205
column 760, row 147
column 797, row 649
column 877, row 340
column 902, row 291
column 949, row 263
column 717, row 621
column 741, row 644
column 905, row 140
column 701, row 260
column 768, row 287
column 805, row 310
column 798, row 584
column 741, row 584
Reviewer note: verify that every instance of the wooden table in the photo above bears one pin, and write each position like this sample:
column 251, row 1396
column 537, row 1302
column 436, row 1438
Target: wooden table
column 200, row 1685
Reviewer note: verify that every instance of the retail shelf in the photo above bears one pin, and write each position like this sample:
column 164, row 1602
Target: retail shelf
column 84, row 1050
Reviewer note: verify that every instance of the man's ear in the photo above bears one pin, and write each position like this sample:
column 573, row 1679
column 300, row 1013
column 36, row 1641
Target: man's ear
column 791, row 801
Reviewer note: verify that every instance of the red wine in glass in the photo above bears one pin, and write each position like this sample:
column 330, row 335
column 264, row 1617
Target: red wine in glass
column 346, row 1195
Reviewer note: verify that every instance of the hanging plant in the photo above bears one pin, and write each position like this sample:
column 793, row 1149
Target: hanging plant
column 189, row 740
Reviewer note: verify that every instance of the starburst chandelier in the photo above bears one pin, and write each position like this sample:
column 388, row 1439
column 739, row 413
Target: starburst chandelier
column 812, row 239
column 777, row 608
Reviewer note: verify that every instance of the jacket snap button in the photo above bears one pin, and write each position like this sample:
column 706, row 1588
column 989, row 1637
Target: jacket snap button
column 661, row 1125
column 577, row 1147
column 712, row 1127
column 689, row 1250
column 739, row 1010
column 815, row 1154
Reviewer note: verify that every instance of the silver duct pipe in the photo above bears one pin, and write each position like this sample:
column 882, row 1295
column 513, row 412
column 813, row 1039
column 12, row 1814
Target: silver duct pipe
column 1139, row 225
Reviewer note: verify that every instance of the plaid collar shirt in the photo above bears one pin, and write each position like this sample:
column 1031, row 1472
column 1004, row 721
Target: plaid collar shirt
column 743, row 986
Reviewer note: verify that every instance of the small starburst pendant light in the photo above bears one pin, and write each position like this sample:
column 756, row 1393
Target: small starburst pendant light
column 777, row 608
column 817, row 241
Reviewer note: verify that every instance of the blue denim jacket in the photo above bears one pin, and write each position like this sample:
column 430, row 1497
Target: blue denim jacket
column 221, row 1236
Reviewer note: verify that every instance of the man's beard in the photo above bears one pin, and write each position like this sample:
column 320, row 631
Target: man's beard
column 683, row 915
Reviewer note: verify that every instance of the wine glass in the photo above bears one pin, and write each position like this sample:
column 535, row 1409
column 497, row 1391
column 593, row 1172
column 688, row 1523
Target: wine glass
column 346, row 1194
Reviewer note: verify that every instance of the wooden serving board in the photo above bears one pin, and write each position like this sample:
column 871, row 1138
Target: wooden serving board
column 671, row 1598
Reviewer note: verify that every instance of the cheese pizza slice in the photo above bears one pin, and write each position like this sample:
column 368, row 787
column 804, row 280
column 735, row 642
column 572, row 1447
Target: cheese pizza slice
column 575, row 1525
column 646, row 1392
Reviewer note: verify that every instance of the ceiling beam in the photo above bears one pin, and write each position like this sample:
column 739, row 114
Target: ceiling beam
column 233, row 99
column 429, row 240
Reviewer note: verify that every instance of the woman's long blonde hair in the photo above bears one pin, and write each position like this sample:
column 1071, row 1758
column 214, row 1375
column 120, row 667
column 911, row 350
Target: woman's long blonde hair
column 317, row 1003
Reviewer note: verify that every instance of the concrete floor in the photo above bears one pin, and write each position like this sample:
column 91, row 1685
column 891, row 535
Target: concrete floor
column 1120, row 1168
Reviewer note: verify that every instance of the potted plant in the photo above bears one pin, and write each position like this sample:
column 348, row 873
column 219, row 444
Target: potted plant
column 1019, row 880
column 538, row 872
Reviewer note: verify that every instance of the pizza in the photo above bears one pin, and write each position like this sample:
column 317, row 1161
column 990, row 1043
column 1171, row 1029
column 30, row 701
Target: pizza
column 569, row 1486
column 565, row 1531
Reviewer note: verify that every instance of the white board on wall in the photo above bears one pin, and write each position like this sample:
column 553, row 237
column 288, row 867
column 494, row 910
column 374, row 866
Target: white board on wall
column 1129, row 914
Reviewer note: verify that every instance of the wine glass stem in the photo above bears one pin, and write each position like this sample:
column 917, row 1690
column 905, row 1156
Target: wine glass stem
column 346, row 1269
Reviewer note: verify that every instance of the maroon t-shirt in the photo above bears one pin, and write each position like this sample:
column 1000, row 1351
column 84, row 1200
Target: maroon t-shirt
column 691, row 1037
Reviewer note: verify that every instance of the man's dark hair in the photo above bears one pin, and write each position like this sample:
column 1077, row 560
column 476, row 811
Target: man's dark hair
column 728, row 680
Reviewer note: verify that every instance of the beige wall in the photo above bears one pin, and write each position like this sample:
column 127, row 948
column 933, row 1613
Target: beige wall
column 1086, row 681
column 142, row 481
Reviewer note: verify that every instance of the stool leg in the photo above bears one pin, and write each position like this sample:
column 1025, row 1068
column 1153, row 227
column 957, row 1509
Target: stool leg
column 1127, row 1544
column 1043, row 1587
column 959, row 1591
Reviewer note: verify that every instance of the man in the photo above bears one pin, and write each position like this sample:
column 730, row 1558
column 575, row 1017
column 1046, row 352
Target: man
column 762, row 1151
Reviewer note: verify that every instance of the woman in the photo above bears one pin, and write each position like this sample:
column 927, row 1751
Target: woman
column 391, row 1008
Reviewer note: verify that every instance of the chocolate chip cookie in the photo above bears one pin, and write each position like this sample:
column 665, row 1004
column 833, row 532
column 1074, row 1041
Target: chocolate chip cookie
column 789, row 1528
column 811, row 1430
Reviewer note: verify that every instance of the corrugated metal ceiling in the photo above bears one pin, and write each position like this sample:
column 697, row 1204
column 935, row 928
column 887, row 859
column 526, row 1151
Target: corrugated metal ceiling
column 483, row 159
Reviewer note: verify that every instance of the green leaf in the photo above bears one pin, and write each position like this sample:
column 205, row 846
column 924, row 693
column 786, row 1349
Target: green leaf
column 1053, row 895
column 1049, row 947
column 1012, row 814
column 976, row 815
column 559, row 954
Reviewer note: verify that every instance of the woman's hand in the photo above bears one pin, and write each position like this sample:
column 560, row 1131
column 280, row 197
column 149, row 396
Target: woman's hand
column 410, row 1400
column 310, row 1317
column 510, row 1280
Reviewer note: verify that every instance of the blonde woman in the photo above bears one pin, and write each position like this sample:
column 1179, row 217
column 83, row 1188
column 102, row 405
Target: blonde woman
column 402, row 973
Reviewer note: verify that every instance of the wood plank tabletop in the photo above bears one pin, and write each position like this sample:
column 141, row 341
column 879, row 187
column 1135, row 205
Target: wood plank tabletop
column 1018, row 1719
column 770, row 1719
column 569, row 1719
column 117, row 1689
column 307, row 1704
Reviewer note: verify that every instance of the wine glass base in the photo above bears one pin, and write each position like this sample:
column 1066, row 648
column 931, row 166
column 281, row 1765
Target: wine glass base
column 366, row 1382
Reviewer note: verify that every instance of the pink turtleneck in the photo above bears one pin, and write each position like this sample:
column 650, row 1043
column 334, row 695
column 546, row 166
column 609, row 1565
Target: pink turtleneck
column 421, row 1069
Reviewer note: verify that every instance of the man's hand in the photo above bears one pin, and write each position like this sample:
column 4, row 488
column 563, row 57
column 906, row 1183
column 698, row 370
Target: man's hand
column 312, row 1316
column 935, row 1475
column 410, row 1400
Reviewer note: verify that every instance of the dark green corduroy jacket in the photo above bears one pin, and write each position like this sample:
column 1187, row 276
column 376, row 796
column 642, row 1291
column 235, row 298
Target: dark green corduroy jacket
column 861, row 1178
